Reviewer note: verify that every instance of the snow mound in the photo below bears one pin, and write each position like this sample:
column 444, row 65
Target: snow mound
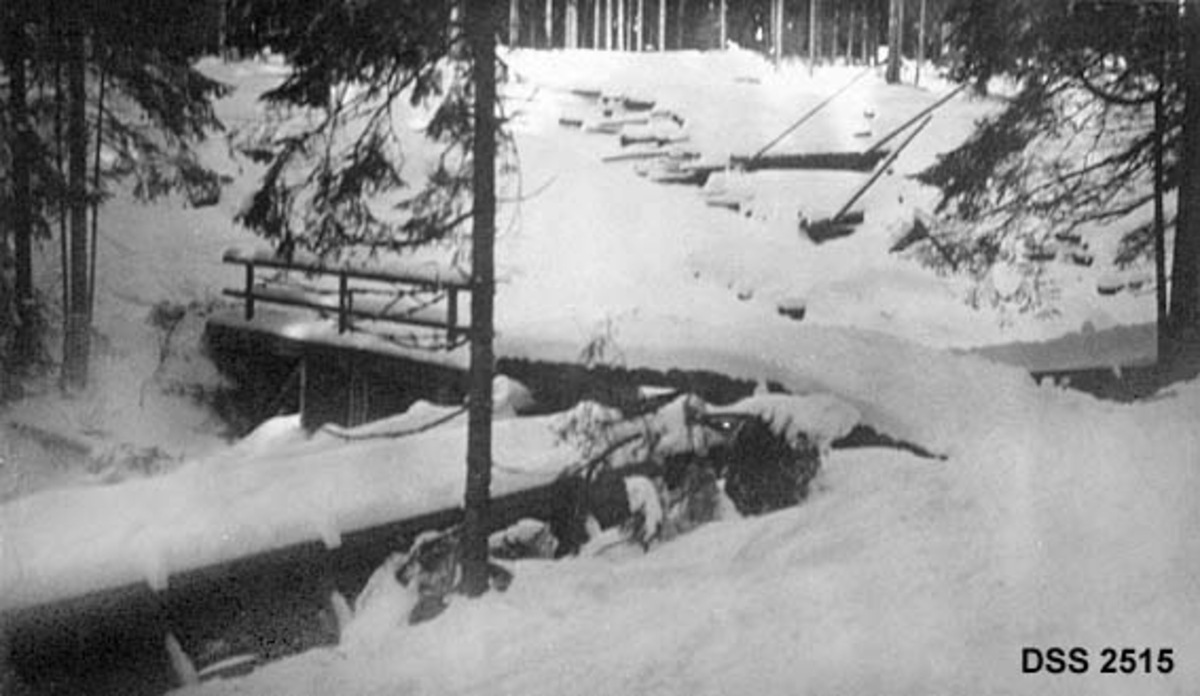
column 818, row 418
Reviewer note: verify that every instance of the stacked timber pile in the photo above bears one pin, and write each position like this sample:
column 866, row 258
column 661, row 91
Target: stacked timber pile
column 654, row 140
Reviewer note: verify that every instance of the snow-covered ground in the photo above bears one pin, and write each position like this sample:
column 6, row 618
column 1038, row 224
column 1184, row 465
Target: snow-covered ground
column 1058, row 521
column 1055, row 520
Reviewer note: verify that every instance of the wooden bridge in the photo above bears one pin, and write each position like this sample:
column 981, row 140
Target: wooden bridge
column 355, row 338
column 418, row 295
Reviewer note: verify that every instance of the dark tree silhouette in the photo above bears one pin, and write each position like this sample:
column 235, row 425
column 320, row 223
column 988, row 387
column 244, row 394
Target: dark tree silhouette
column 121, row 70
column 1078, row 143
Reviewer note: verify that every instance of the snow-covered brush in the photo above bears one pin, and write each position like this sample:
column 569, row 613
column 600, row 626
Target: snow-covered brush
column 408, row 588
column 687, row 463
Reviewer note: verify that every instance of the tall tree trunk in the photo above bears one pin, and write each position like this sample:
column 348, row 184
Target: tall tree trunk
column 572, row 22
column 75, row 361
column 58, row 43
column 723, row 29
column 662, row 25
column 477, row 500
column 640, row 39
column 870, row 53
column 596, row 22
column 26, row 338
column 548, row 23
column 777, row 31
column 514, row 23
column 1185, row 267
column 835, row 34
column 920, row 44
column 1160, row 225
column 895, row 39
column 96, row 162
column 621, row 25
column 608, row 28
column 683, row 22
column 222, row 28
column 814, row 30
column 851, row 28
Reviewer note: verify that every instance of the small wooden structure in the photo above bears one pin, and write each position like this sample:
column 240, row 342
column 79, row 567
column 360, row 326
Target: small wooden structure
column 382, row 336
column 424, row 296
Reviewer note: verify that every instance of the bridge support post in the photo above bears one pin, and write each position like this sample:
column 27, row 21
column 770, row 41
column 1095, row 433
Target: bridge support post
column 249, row 291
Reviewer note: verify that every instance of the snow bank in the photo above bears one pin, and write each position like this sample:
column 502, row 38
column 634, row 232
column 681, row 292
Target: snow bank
column 913, row 393
column 275, row 490
column 819, row 418
column 1074, row 526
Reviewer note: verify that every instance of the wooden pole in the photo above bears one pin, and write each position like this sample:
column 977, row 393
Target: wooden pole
column 920, row 115
column 549, row 23
column 804, row 119
column 881, row 170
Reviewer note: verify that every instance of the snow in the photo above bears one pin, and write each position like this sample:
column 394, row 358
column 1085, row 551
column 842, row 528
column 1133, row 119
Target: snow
column 274, row 491
column 1055, row 519
column 820, row 418
column 1070, row 525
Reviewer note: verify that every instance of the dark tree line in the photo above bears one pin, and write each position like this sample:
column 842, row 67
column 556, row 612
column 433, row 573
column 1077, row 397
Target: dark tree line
column 818, row 29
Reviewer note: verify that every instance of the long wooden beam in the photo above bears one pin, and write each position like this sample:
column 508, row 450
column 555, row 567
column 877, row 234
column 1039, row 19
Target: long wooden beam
column 921, row 114
column 881, row 169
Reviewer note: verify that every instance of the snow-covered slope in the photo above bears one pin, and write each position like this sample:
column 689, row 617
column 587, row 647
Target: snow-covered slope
column 1061, row 521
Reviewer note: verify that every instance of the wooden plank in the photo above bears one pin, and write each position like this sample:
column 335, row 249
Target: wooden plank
column 882, row 169
column 834, row 161
column 807, row 116
column 920, row 115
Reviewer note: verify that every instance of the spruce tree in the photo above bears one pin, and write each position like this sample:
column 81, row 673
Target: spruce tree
column 1077, row 143
column 153, row 105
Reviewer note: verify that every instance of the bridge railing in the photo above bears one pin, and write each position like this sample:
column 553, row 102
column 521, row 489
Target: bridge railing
column 424, row 295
